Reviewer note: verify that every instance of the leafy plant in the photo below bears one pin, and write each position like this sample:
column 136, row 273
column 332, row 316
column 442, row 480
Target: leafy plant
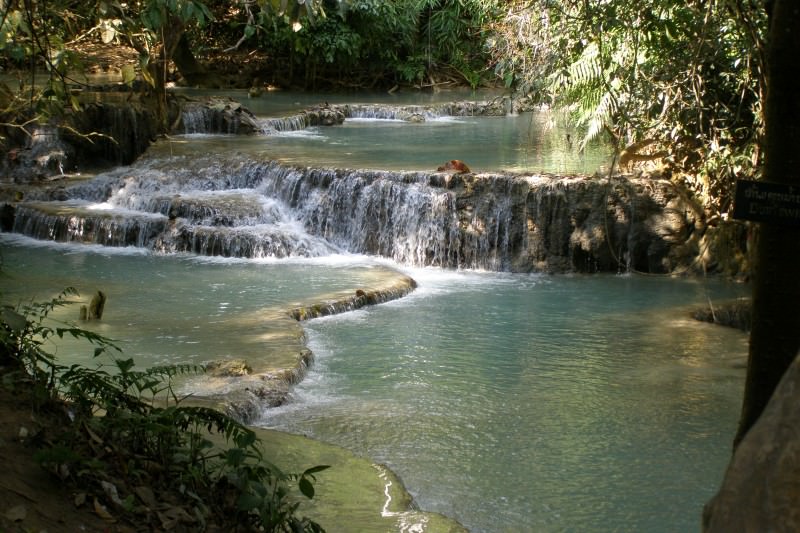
column 686, row 78
column 130, row 444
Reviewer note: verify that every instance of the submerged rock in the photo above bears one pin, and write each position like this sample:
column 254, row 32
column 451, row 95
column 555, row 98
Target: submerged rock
column 355, row 494
column 736, row 314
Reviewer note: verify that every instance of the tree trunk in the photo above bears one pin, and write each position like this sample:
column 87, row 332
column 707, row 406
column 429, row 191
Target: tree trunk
column 194, row 72
column 775, row 334
column 171, row 35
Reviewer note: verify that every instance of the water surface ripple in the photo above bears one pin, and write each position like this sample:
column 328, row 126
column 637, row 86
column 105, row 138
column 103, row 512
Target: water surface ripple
column 530, row 403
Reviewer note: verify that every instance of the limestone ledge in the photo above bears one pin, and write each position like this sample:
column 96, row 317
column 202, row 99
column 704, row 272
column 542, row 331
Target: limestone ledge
column 359, row 299
column 243, row 392
column 354, row 490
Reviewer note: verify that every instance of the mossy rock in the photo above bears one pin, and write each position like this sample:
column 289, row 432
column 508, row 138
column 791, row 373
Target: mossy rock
column 229, row 368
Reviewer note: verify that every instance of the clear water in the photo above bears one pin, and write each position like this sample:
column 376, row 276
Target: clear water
column 528, row 403
column 487, row 144
column 179, row 309
column 509, row 402
column 524, row 143
column 529, row 142
column 284, row 103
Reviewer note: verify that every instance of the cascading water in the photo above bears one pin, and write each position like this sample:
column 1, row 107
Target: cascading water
column 236, row 206
column 231, row 197
column 77, row 221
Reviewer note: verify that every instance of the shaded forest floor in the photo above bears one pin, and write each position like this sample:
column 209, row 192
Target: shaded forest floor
column 31, row 499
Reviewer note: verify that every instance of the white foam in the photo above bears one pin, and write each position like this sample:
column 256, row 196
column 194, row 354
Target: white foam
column 21, row 240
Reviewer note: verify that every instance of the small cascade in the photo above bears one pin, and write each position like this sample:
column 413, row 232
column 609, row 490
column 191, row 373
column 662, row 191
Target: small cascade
column 71, row 222
column 284, row 124
column 251, row 242
column 325, row 115
column 194, row 120
column 217, row 115
column 418, row 113
column 406, row 113
column 329, row 115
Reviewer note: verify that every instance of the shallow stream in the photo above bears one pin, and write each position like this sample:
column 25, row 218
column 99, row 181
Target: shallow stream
column 529, row 403
column 510, row 402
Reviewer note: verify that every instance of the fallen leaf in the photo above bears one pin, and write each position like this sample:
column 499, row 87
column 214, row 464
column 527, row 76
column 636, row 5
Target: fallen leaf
column 102, row 512
column 146, row 495
column 111, row 491
column 80, row 499
column 17, row 513
column 92, row 434
column 171, row 517
column 166, row 522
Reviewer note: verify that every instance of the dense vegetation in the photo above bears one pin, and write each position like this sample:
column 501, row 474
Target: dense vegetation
column 678, row 82
column 135, row 452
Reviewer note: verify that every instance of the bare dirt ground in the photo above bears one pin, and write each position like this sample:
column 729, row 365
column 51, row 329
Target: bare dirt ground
column 31, row 499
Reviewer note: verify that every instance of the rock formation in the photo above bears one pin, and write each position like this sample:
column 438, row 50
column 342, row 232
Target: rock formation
column 761, row 488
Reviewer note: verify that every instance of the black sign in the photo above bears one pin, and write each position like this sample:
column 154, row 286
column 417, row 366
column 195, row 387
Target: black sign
column 761, row 201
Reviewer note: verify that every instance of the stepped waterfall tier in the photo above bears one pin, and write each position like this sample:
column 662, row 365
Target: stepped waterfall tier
column 237, row 206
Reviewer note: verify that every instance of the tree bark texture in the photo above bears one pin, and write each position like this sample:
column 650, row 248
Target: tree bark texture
column 775, row 335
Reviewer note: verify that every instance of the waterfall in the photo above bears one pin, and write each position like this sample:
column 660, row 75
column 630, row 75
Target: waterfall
column 217, row 115
column 411, row 112
column 235, row 206
column 194, row 120
column 290, row 123
column 70, row 222
column 224, row 117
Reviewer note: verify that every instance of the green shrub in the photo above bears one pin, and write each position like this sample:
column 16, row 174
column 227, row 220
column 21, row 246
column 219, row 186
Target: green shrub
column 127, row 442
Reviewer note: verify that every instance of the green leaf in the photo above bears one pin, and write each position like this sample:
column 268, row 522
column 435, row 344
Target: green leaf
column 248, row 501
column 245, row 439
column 306, row 487
column 128, row 73
column 124, row 365
column 235, row 456
column 15, row 321
column 145, row 63
column 74, row 102
column 316, row 469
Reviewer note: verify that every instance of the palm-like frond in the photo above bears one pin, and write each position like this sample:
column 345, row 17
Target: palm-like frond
column 584, row 88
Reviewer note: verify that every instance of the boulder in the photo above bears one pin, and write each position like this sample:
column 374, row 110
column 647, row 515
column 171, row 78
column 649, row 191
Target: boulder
column 216, row 115
column 762, row 483
column 324, row 115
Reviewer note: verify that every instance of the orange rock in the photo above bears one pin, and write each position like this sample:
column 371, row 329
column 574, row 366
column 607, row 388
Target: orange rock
column 455, row 165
